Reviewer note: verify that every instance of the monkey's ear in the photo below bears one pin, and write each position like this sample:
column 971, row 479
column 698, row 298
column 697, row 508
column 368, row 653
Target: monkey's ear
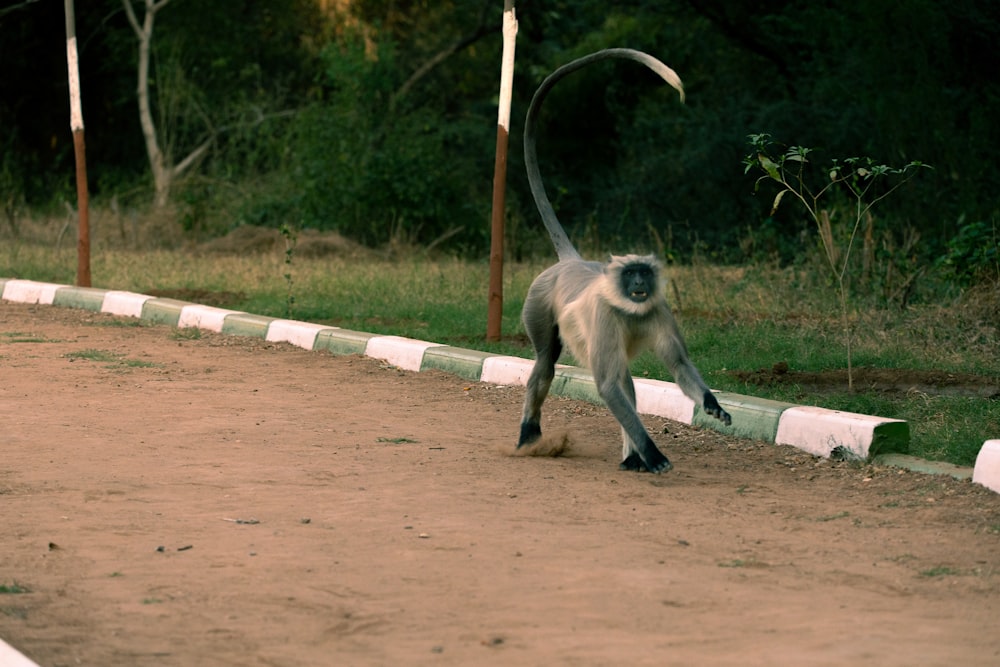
column 617, row 258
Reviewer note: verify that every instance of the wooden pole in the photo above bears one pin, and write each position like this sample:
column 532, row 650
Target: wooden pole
column 495, row 312
column 79, row 148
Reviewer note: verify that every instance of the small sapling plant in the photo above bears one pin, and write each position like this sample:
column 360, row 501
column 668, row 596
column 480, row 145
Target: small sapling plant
column 854, row 177
column 291, row 237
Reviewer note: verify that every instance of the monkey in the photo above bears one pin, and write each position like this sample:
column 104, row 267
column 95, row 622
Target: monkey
column 604, row 313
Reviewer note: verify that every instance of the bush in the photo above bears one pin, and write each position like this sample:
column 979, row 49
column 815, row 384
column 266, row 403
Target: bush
column 972, row 255
column 378, row 170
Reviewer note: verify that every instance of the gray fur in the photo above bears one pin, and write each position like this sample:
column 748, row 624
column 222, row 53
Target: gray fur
column 582, row 305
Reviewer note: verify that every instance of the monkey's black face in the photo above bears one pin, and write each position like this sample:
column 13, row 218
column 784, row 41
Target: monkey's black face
column 638, row 282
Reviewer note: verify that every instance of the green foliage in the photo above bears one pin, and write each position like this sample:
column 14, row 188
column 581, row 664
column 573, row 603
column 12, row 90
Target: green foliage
column 317, row 120
column 380, row 170
column 973, row 254
column 13, row 588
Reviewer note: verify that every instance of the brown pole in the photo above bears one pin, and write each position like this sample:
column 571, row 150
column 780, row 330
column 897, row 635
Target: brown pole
column 495, row 309
column 79, row 149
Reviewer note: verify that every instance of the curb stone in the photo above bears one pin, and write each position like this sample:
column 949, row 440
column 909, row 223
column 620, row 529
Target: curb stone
column 987, row 470
column 11, row 657
column 819, row 431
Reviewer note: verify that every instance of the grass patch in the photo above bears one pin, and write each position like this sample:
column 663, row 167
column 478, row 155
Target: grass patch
column 120, row 322
column 186, row 333
column 743, row 563
column 734, row 319
column 13, row 588
column 940, row 571
column 93, row 355
column 111, row 360
column 20, row 613
column 19, row 337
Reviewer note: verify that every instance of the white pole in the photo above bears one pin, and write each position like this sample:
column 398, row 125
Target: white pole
column 495, row 307
column 79, row 148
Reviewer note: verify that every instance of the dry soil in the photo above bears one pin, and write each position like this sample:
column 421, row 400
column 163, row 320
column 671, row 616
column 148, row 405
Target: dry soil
column 176, row 498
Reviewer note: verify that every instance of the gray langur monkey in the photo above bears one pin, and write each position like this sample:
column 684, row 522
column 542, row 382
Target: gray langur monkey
column 604, row 313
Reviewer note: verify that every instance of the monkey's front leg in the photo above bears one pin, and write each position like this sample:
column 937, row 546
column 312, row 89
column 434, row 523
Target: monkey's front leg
column 671, row 349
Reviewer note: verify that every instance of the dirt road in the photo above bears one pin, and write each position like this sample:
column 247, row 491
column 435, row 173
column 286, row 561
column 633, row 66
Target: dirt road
column 175, row 498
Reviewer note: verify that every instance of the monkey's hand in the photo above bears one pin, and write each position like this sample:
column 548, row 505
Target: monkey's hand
column 713, row 408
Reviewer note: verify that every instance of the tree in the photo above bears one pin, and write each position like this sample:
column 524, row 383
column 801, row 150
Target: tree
column 163, row 174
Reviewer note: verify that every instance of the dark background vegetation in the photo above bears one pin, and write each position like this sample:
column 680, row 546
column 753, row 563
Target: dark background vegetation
column 324, row 116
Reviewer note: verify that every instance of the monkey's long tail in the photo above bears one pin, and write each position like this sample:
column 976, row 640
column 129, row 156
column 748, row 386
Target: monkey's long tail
column 564, row 247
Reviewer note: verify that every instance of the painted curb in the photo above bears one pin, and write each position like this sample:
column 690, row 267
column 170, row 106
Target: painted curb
column 575, row 383
column 87, row 298
column 126, row 304
column 815, row 430
column 300, row 334
column 11, row 657
column 245, row 324
column 987, row 470
column 341, row 341
column 825, row 432
column 406, row 353
column 506, row 370
column 664, row 399
column 162, row 311
column 29, row 291
column 754, row 418
column 204, row 317
column 463, row 363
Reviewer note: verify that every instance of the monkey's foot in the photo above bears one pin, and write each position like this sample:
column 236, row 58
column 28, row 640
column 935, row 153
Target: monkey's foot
column 635, row 463
column 529, row 433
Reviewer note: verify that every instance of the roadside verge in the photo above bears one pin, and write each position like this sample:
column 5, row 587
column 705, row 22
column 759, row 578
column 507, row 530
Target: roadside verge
column 819, row 431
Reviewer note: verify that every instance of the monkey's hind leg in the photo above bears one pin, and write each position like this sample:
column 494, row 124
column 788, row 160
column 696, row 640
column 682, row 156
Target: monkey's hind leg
column 637, row 456
column 538, row 386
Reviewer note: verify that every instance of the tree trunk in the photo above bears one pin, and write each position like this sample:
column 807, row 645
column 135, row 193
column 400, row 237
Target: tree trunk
column 162, row 175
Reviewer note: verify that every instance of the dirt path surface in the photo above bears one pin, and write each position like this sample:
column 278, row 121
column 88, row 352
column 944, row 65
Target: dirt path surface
column 169, row 498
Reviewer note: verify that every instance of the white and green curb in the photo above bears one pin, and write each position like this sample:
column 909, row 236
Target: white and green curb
column 987, row 470
column 823, row 432
column 815, row 430
column 464, row 363
column 11, row 657
column 406, row 353
column 299, row 334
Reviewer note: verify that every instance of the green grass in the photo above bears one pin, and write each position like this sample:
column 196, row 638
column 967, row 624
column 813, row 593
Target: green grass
column 20, row 613
column 940, row 571
column 110, row 359
column 19, row 337
column 13, row 588
column 734, row 318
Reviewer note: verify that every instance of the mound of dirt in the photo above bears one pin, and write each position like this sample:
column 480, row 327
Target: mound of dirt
column 888, row 380
column 249, row 239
